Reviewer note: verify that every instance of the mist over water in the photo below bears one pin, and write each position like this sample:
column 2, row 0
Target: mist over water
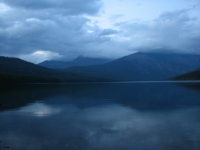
column 110, row 116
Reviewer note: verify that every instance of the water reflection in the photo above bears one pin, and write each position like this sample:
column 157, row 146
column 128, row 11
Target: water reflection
column 39, row 110
column 142, row 96
column 102, row 121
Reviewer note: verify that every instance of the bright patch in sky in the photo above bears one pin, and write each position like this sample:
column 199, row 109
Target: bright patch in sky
column 4, row 8
column 40, row 56
column 144, row 10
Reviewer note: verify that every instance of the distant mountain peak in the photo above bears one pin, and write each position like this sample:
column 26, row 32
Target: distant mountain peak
column 79, row 61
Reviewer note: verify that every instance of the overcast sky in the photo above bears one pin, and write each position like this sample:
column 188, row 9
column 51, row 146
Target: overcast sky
column 38, row 30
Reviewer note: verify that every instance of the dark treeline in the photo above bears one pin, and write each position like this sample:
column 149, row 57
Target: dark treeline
column 194, row 75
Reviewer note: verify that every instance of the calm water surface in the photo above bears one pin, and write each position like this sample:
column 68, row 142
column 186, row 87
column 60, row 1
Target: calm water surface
column 118, row 116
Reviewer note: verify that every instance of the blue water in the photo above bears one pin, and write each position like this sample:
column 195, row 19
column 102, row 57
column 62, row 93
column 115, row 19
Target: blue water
column 118, row 116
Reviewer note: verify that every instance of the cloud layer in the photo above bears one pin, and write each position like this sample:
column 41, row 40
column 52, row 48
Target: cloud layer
column 171, row 30
column 64, row 28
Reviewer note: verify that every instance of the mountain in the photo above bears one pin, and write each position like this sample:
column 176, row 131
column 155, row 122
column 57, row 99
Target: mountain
column 143, row 66
column 194, row 75
column 14, row 70
column 53, row 64
column 138, row 66
column 79, row 61
column 21, row 67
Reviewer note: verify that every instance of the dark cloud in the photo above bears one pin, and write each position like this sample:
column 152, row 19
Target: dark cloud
column 108, row 32
column 72, row 7
column 25, row 31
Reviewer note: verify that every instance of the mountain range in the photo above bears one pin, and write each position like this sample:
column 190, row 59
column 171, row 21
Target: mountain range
column 15, row 70
column 79, row 61
column 143, row 66
column 134, row 67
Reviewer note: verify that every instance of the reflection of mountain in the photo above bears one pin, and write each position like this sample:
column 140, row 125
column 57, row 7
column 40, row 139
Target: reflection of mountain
column 79, row 61
column 143, row 66
column 193, row 85
column 18, row 96
column 140, row 96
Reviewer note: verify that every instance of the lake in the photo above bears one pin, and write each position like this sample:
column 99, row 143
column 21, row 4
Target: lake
column 101, row 116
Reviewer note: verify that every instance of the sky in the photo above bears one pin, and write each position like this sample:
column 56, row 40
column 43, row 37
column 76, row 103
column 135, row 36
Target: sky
column 65, row 29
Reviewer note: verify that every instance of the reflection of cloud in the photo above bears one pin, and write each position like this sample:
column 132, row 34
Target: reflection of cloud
column 39, row 110
column 111, row 127
column 123, row 127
